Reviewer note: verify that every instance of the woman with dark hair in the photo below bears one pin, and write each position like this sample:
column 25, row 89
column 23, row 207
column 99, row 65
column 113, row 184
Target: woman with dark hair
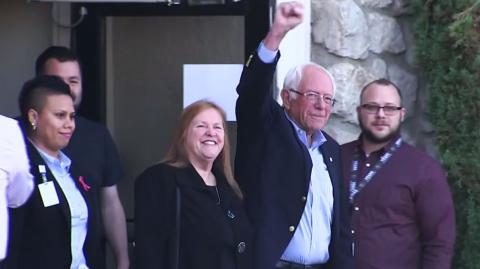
column 188, row 209
column 59, row 226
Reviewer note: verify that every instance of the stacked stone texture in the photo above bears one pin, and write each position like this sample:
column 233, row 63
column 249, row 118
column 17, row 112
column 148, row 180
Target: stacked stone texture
column 362, row 40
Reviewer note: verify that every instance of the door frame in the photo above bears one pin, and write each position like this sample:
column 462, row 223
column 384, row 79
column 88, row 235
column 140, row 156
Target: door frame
column 89, row 38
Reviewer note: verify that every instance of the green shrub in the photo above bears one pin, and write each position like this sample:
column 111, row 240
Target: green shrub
column 448, row 50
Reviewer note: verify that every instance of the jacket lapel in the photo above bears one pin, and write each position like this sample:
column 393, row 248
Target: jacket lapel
column 226, row 193
column 188, row 177
column 331, row 160
column 37, row 160
column 307, row 161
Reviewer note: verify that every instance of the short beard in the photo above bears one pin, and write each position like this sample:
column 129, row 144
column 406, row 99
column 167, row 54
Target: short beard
column 372, row 138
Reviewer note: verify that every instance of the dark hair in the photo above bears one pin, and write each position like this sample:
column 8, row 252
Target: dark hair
column 383, row 82
column 61, row 54
column 34, row 92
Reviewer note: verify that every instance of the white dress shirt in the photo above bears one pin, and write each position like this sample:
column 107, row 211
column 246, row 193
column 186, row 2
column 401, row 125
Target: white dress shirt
column 16, row 182
column 309, row 244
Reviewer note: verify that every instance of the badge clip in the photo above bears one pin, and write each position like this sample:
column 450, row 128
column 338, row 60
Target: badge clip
column 43, row 172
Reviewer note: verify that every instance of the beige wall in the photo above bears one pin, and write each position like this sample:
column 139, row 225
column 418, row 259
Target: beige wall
column 25, row 30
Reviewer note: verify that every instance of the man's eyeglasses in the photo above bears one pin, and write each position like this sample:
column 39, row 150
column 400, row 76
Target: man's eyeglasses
column 315, row 97
column 374, row 109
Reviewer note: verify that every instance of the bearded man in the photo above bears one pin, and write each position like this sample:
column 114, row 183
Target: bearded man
column 401, row 205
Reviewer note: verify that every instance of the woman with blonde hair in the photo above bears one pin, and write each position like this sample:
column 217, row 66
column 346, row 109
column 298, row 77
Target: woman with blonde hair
column 188, row 208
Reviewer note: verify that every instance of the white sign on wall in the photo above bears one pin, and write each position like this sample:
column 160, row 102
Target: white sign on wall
column 214, row 82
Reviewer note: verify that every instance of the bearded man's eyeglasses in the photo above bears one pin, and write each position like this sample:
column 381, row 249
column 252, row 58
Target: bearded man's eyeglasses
column 374, row 109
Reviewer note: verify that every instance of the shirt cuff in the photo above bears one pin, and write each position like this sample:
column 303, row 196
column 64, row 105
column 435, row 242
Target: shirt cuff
column 267, row 56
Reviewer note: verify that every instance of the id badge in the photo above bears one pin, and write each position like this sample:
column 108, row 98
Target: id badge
column 48, row 193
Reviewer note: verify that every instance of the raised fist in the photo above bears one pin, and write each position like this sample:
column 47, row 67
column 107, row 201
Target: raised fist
column 287, row 16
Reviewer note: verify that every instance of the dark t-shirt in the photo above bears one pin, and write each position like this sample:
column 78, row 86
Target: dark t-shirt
column 93, row 152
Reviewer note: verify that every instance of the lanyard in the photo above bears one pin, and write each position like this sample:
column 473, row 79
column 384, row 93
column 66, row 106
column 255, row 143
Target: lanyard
column 355, row 185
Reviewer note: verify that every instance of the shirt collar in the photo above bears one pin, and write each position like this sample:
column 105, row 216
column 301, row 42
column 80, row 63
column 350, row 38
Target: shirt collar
column 317, row 139
column 383, row 149
column 62, row 161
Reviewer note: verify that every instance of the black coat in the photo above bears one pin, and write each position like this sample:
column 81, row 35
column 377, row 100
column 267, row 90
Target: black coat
column 211, row 236
column 273, row 167
column 40, row 236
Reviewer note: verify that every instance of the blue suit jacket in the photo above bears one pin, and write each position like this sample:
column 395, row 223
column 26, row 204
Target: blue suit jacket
column 273, row 168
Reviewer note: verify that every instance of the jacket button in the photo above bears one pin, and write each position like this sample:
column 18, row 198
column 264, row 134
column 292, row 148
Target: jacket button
column 241, row 247
column 230, row 214
column 356, row 208
column 291, row 229
column 304, row 198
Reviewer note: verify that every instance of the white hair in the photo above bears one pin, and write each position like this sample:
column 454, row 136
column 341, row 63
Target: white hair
column 294, row 76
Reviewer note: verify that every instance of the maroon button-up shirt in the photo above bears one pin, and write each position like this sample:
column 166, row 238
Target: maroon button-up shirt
column 404, row 218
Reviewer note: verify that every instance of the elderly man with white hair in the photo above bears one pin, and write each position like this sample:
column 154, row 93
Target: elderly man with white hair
column 289, row 169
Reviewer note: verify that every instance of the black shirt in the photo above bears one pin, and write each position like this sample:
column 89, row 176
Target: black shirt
column 93, row 152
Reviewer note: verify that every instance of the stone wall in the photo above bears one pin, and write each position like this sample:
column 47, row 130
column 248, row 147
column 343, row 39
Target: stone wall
column 362, row 40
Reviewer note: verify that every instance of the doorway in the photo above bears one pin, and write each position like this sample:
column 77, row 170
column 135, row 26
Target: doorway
column 132, row 57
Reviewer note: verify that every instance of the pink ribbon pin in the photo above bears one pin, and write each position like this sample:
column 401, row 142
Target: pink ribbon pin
column 85, row 186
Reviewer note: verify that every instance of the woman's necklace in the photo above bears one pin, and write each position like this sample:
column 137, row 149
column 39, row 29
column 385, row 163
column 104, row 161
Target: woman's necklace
column 211, row 179
column 218, row 195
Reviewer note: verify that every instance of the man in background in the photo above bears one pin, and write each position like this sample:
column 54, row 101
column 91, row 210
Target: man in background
column 92, row 149
column 401, row 205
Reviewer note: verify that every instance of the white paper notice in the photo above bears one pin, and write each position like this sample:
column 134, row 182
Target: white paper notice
column 214, row 82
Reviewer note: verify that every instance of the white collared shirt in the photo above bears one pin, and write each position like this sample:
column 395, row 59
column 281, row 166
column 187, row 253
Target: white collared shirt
column 309, row 244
